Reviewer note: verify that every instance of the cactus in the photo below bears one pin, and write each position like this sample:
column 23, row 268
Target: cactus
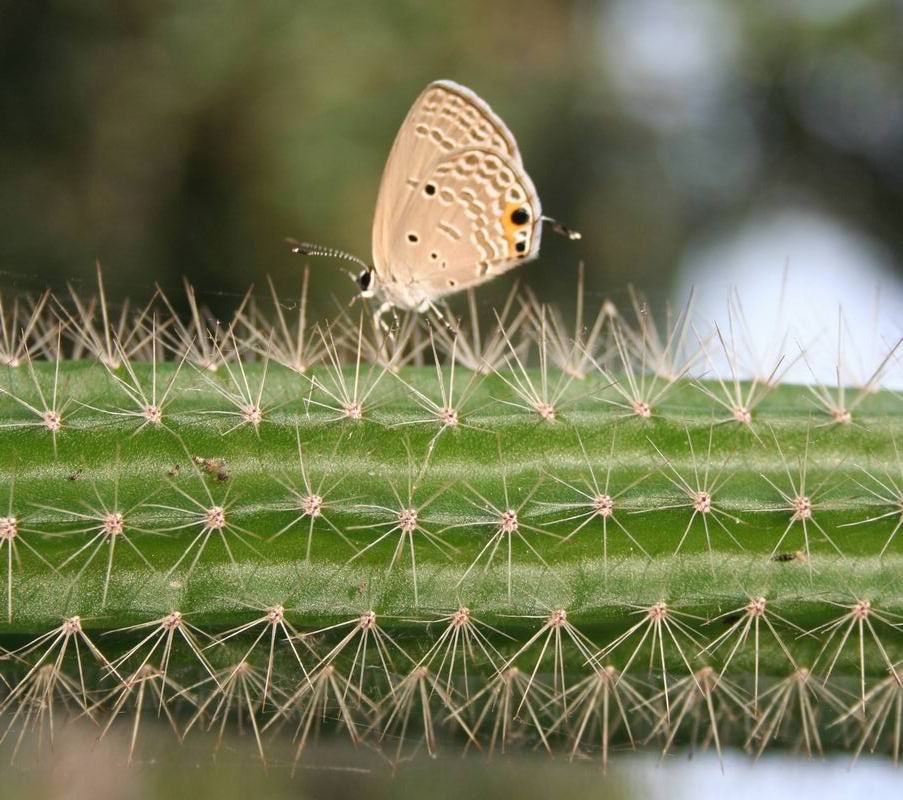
column 423, row 538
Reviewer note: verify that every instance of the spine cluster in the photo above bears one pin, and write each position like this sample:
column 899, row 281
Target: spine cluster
column 513, row 533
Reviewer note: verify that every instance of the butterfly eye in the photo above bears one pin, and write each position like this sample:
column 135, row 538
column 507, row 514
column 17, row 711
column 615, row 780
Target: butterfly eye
column 365, row 279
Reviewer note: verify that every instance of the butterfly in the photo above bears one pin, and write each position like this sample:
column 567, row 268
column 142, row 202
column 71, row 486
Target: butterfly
column 455, row 209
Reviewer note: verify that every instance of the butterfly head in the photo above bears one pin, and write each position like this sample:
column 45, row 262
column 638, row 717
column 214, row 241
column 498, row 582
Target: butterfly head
column 365, row 279
column 366, row 282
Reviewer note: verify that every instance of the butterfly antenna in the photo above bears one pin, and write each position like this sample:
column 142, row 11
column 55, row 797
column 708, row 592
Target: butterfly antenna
column 308, row 249
column 562, row 230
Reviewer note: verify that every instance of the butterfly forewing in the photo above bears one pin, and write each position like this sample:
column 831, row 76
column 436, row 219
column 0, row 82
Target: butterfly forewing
column 455, row 205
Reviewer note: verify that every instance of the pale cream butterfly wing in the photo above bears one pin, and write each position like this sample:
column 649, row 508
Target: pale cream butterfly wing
column 455, row 206
column 445, row 116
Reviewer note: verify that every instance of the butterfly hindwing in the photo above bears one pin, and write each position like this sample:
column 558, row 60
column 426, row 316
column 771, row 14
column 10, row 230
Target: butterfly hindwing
column 474, row 215
column 455, row 206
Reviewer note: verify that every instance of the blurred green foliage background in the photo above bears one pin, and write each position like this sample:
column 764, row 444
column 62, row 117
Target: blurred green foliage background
column 169, row 138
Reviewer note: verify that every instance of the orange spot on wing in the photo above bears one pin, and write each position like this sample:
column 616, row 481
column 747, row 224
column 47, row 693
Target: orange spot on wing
column 511, row 229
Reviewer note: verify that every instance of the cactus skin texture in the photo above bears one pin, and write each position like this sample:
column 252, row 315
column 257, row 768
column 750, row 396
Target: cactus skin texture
column 591, row 550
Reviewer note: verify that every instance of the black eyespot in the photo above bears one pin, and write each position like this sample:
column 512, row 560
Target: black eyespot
column 520, row 216
column 413, row 238
column 521, row 247
column 434, row 255
column 430, row 189
column 364, row 279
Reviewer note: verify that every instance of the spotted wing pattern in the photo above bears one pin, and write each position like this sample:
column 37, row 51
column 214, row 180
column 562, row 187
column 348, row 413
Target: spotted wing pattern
column 455, row 206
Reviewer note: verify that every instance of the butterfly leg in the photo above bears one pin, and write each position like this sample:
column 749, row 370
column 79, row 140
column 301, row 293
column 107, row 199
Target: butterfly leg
column 380, row 323
column 452, row 331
